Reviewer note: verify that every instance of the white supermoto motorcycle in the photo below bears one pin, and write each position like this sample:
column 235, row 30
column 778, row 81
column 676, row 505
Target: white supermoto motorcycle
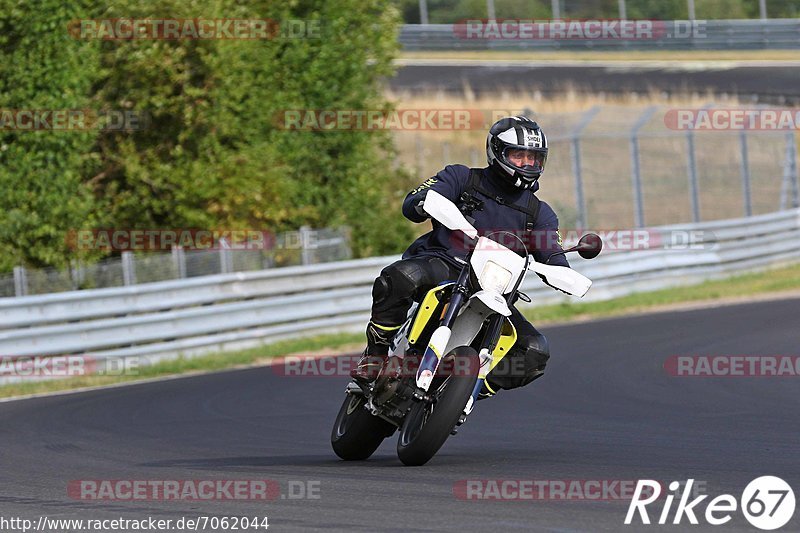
column 451, row 340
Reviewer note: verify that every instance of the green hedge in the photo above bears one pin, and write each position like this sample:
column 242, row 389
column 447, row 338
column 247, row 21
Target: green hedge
column 212, row 155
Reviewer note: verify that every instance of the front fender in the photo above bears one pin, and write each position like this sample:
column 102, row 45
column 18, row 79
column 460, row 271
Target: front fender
column 471, row 317
column 494, row 301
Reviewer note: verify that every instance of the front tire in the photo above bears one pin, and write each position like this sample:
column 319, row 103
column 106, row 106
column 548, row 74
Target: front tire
column 357, row 433
column 427, row 426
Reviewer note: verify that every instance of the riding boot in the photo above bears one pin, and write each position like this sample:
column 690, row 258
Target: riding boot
column 486, row 391
column 378, row 339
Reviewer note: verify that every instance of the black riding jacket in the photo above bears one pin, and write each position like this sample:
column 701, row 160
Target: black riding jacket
column 493, row 215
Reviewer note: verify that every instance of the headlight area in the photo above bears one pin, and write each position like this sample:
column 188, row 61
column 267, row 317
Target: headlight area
column 494, row 277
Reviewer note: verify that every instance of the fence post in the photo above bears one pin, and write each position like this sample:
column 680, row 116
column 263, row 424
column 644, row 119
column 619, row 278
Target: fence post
column 789, row 181
column 423, row 11
column 128, row 269
column 694, row 194
column 636, row 174
column 446, row 152
column 789, row 185
column 347, row 237
column 225, row 258
column 784, row 180
column 77, row 273
column 20, row 281
column 746, row 191
column 306, row 236
column 179, row 260
column 473, row 158
column 580, row 202
column 419, row 153
column 576, row 172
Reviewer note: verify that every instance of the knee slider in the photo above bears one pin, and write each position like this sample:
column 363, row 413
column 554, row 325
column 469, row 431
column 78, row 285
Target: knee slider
column 537, row 351
column 381, row 289
column 524, row 363
column 402, row 279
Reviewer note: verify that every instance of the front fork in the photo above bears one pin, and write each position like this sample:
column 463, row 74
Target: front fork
column 440, row 338
column 491, row 338
column 435, row 350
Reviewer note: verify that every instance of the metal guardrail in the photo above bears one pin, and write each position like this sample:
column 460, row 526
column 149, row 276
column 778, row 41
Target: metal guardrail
column 711, row 35
column 240, row 310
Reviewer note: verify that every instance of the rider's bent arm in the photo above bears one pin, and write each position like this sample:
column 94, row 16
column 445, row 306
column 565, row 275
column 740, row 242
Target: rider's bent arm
column 446, row 182
column 547, row 238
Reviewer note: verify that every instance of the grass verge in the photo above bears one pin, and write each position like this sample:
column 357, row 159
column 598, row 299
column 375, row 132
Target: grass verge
column 739, row 287
column 204, row 363
column 731, row 289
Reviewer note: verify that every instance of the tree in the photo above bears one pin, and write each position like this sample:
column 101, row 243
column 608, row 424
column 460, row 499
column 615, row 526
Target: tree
column 215, row 153
column 212, row 154
column 41, row 172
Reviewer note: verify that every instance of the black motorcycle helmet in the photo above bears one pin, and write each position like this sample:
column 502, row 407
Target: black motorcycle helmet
column 516, row 133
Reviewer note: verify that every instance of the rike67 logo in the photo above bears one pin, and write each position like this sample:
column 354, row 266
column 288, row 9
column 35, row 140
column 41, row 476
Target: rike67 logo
column 767, row 503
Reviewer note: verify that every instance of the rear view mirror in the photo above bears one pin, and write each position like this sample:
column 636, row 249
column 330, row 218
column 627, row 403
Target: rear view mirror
column 589, row 246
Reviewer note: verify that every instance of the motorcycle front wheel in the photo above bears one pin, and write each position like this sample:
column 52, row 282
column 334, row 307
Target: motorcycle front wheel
column 428, row 424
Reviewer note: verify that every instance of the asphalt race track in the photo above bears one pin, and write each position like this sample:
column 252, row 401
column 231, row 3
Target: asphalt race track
column 606, row 410
column 486, row 78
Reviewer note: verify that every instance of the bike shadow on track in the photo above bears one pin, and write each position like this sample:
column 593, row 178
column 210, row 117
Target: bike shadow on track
column 322, row 460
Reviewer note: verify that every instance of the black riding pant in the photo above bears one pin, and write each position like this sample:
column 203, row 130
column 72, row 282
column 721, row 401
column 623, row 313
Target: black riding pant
column 408, row 280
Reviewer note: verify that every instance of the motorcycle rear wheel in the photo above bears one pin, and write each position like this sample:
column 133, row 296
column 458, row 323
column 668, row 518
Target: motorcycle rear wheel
column 357, row 433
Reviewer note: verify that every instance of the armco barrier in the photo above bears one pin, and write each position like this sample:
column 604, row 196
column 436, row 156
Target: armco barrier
column 711, row 35
column 241, row 310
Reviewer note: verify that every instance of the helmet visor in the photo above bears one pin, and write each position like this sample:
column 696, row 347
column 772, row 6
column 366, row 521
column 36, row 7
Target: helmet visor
column 525, row 159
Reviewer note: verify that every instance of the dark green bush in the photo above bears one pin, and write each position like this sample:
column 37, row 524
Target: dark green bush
column 213, row 154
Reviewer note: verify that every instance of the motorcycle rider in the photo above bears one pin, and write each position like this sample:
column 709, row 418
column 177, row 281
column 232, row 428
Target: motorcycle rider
column 497, row 197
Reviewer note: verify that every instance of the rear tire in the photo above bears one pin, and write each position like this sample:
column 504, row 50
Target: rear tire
column 427, row 426
column 357, row 433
